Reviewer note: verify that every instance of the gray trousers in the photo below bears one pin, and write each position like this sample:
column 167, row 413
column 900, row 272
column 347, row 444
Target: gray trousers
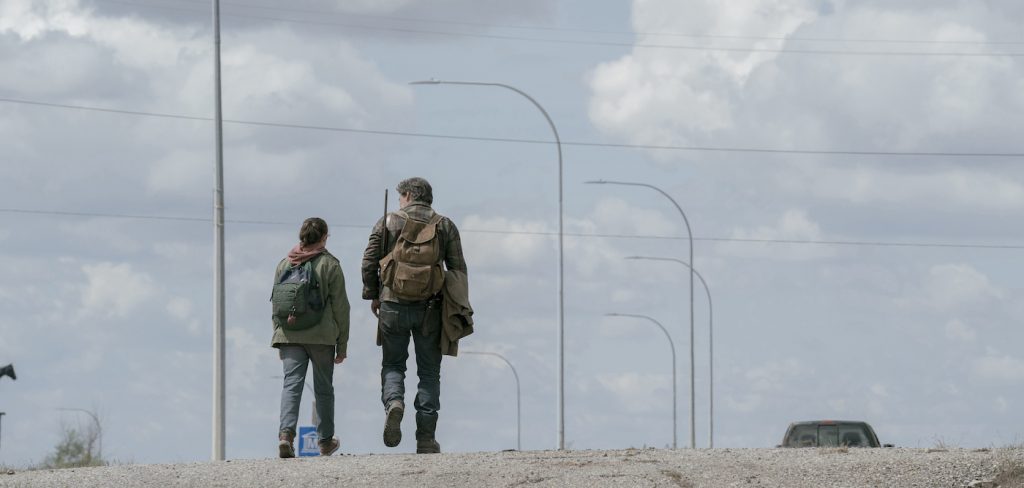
column 295, row 358
column 399, row 322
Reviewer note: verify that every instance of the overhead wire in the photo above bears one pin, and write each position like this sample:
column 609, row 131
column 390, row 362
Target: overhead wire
column 567, row 143
column 528, row 141
column 407, row 30
column 63, row 213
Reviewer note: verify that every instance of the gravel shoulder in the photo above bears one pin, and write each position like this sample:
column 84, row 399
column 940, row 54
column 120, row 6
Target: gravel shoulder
column 630, row 467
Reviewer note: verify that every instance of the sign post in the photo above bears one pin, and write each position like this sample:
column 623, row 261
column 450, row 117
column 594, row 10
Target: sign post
column 308, row 441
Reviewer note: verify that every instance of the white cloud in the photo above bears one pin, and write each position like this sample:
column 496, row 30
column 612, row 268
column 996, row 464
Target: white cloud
column 667, row 96
column 773, row 376
column 617, row 216
column 494, row 251
column 639, row 392
column 114, row 290
column 745, row 98
column 958, row 331
column 179, row 308
column 794, row 224
column 1000, row 367
column 664, row 96
column 949, row 286
column 956, row 188
column 249, row 356
column 1001, row 404
column 745, row 403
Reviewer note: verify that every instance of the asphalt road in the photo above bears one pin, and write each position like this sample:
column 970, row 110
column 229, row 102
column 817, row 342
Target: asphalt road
column 584, row 469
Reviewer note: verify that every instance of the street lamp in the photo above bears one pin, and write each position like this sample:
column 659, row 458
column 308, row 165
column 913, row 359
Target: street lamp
column 693, row 421
column 519, row 423
column 561, row 268
column 711, row 348
column 99, row 429
column 673, row 347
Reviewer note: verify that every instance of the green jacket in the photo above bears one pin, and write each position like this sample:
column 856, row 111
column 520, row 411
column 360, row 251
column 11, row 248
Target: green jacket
column 333, row 327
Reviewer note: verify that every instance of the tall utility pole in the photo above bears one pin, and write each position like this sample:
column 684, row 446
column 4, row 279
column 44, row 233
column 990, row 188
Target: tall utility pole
column 218, row 246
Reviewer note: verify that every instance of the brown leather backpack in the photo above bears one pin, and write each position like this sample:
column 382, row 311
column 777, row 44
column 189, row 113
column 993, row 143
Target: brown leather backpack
column 413, row 269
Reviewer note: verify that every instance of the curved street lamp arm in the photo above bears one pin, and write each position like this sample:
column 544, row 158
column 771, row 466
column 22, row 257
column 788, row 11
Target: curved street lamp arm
column 659, row 190
column 672, row 346
column 711, row 343
column 689, row 233
column 707, row 290
column 561, row 244
column 519, row 445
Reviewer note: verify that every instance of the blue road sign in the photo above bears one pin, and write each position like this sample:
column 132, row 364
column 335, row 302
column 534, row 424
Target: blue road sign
column 308, row 445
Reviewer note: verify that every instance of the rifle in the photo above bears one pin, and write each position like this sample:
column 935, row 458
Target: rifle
column 383, row 250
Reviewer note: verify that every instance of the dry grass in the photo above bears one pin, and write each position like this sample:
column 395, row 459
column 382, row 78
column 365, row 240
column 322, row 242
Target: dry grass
column 1011, row 468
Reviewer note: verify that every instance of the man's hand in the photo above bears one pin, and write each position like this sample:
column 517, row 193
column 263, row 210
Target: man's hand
column 340, row 358
column 375, row 307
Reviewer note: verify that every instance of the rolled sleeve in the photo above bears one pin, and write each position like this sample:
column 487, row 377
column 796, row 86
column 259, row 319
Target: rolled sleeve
column 371, row 262
column 454, row 260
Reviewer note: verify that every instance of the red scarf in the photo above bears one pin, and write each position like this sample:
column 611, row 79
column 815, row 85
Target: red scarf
column 299, row 254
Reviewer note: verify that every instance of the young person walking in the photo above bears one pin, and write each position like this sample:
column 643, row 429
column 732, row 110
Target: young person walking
column 311, row 323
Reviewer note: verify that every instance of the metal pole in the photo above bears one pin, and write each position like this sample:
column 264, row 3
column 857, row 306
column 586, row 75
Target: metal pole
column 2, row 427
column 671, row 345
column 99, row 429
column 218, row 245
column 561, row 268
column 519, row 423
column 711, row 346
column 693, row 418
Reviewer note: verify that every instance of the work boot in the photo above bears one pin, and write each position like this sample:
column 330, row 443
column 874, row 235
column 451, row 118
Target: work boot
column 285, row 449
column 393, row 423
column 329, row 446
column 426, row 425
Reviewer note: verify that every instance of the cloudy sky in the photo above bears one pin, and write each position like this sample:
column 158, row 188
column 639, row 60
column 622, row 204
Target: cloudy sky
column 851, row 171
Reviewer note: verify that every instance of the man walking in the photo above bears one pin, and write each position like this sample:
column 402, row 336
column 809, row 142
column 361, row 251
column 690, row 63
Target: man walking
column 404, row 277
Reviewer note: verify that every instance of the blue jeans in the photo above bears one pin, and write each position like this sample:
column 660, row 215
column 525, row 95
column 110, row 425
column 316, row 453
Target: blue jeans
column 399, row 322
column 295, row 358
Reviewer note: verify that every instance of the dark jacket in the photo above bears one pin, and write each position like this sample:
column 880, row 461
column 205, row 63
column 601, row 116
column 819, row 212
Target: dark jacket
column 446, row 230
column 333, row 327
column 456, row 312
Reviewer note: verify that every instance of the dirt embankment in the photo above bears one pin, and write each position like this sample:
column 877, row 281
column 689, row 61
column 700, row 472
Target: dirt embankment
column 584, row 469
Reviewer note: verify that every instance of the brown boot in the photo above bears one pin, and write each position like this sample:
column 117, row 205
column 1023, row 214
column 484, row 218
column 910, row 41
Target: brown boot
column 426, row 426
column 393, row 423
column 329, row 446
column 285, row 448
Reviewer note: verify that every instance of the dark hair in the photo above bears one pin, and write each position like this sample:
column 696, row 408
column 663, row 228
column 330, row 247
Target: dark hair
column 313, row 230
column 418, row 189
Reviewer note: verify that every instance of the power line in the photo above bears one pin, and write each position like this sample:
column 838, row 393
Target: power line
column 534, row 141
column 631, row 45
column 571, row 29
column 61, row 213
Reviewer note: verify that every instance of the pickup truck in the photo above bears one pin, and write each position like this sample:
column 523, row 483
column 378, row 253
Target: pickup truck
column 830, row 433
